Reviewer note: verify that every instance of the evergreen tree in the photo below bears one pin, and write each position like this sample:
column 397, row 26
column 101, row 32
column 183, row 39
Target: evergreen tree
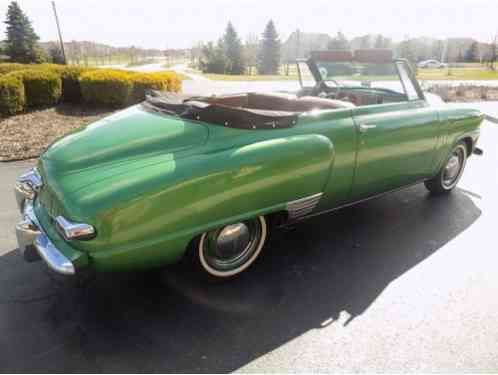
column 338, row 42
column 269, row 53
column 22, row 41
column 472, row 54
column 233, row 51
column 213, row 58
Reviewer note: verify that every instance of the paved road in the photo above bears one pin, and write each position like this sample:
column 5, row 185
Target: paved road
column 406, row 282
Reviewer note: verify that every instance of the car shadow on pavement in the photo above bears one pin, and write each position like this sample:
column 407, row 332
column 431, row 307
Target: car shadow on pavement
column 170, row 321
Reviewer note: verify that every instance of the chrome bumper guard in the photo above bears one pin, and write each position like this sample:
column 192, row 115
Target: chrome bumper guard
column 33, row 242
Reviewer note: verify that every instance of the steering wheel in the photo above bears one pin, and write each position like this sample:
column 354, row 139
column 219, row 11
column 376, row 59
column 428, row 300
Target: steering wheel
column 321, row 87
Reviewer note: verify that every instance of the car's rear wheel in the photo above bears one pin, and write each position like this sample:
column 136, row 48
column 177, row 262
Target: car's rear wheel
column 447, row 178
column 228, row 251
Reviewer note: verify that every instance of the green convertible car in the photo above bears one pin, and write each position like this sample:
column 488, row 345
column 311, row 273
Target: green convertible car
column 207, row 178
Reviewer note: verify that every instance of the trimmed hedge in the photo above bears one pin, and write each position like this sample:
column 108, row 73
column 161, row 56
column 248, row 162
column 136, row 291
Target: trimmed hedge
column 12, row 67
column 12, row 96
column 43, row 88
column 106, row 87
column 46, row 84
column 118, row 88
column 142, row 82
column 70, row 76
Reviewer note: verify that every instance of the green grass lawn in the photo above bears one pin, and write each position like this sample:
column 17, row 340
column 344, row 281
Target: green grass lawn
column 256, row 77
column 93, row 61
column 141, row 63
column 473, row 71
column 457, row 74
column 423, row 74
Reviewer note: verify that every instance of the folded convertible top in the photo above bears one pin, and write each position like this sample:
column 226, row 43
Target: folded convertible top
column 193, row 108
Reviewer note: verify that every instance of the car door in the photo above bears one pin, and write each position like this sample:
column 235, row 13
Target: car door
column 396, row 141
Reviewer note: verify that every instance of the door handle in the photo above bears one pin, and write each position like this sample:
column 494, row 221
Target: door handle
column 365, row 127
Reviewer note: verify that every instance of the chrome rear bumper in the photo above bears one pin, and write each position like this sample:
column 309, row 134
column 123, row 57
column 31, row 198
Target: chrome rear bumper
column 32, row 240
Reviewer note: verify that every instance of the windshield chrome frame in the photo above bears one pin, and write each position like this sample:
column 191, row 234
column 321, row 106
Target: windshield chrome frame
column 313, row 67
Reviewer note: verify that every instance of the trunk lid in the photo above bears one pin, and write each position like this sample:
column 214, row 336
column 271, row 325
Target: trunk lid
column 126, row 135
column 128, row 140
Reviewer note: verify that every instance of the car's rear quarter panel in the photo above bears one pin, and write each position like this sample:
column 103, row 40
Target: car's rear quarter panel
column 149, row 216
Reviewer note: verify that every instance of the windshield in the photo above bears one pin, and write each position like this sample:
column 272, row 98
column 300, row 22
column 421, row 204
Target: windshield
column 355, row 74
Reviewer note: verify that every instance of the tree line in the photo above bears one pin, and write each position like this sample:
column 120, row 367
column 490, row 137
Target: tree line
column 22, row 45
column 229, row 55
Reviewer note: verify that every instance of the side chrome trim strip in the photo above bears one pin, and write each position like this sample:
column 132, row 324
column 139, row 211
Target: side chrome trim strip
column 303, row 207
column 361, row 200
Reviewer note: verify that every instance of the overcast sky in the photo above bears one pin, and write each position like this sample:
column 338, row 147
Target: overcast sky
column 178, row 24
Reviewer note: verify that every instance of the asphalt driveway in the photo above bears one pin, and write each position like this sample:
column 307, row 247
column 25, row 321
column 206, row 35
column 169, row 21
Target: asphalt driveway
column 406, row 282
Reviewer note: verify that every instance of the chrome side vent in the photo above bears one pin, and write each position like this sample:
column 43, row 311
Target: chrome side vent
column 303, row 207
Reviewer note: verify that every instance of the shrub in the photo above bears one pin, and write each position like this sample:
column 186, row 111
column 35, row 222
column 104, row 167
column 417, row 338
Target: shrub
column 11, row 67
column 46, row 84
column 142, row 82
column 12, row 96
column 43, row 87
column 70, row 75
column 106, row 87
column 174, row 81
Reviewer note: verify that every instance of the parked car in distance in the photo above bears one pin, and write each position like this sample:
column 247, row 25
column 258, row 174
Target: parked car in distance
column 205, row 179
column 431, row 64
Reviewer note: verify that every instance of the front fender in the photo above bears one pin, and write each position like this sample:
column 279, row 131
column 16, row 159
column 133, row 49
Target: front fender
column 458, row 124
column 147, row 217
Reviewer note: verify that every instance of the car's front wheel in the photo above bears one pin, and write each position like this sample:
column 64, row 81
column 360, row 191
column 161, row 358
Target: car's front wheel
column 228, row 251
column 448, row 177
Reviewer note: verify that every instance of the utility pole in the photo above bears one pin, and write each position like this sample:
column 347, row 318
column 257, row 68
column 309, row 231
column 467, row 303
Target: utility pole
column 59, row 31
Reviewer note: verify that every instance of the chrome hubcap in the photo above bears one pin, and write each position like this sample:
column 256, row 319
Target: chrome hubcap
column 228, row 248
column 453, row 168
column 231, row 240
